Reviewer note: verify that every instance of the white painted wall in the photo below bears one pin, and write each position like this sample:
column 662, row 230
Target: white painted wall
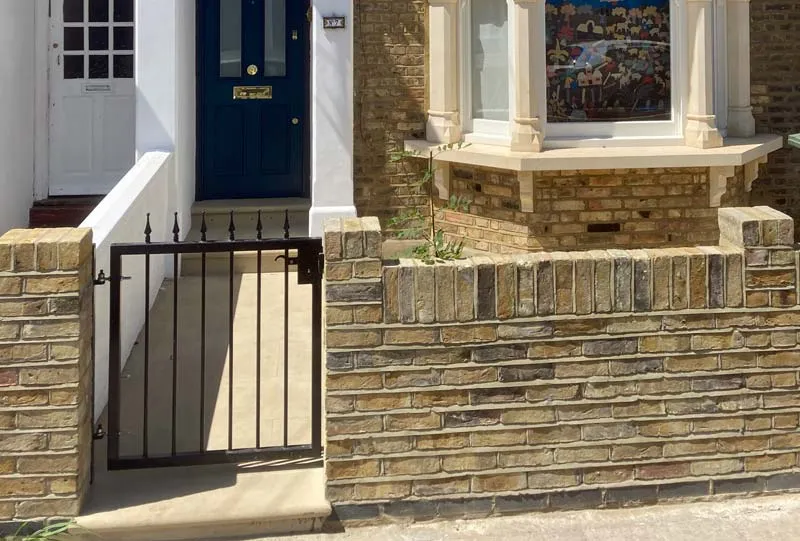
column 121, row 217
column 17, row 96
column 331, row 116
column 165, row 92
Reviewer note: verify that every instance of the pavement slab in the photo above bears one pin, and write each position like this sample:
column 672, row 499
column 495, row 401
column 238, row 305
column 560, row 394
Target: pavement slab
column 764, row 518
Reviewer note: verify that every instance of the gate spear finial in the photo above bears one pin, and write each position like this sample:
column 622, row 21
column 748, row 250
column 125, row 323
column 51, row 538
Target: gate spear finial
column 147, row 230
column 203, row 228
column 176, row 230
column 232, row 229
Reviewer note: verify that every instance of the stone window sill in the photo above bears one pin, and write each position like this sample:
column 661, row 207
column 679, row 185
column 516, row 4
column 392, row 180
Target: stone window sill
column 735, row 152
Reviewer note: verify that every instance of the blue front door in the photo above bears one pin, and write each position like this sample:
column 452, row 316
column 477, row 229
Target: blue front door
column 252, row 88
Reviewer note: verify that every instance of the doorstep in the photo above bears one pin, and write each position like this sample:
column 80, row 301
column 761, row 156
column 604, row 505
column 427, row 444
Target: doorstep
column 203, row 502
column 274, row 213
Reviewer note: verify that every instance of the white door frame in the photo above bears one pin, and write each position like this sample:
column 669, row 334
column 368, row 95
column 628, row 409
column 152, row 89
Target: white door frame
column 41, row 162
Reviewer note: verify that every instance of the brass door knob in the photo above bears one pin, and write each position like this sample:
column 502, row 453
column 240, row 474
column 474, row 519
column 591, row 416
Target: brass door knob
column 295, row 121
column 252, row 69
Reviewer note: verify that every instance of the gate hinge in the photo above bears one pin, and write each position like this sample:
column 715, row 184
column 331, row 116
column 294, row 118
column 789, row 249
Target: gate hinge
column 102, row 279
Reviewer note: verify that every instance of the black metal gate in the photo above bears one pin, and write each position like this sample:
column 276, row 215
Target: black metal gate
column 302, row 256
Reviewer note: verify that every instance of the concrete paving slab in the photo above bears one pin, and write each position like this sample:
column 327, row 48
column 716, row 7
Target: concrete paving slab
column 767, row 518
column 209, row 431
column 203, row 503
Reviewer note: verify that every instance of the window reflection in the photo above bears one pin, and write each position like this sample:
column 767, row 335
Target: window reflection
column 608, row 61
column 230, row 38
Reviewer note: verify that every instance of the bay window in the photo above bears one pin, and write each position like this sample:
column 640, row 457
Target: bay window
column 528, row 74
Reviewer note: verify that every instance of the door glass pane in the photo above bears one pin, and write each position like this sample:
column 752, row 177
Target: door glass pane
column 73, row 66
column 230, row 38
column 98, row 38
column 73, row 11
column 123, row 11
column 608, row 61
column 490, row 66
column 98, row 67
column 275, row 38
column 123, row 66
column 98, row 11
column 73, row 38
column 123, row 38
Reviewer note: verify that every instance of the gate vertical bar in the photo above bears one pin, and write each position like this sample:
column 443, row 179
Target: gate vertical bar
column 286, row 334
column 316, row 360
column 203, row 271
column 114, row 357
column 259, row 233
column 232, row 237
column 175, row 271
column 148, row 230
column 145, row 427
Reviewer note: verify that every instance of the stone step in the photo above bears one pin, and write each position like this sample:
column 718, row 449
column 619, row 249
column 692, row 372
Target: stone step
column 245, row 213
column 204, row 502
column 61, row 211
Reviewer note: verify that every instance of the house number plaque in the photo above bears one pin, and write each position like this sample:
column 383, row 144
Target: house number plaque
column 333, row 23
column 252, row 92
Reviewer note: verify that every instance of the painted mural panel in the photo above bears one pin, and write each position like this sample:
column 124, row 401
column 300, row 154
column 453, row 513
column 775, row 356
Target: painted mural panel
column 608, row 60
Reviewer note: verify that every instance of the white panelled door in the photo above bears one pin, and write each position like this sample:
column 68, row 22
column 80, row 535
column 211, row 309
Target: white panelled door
column 92, row 95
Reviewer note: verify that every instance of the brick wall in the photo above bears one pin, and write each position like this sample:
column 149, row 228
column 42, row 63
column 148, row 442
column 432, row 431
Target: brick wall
column 502, row 384
column 45, row 373
column 775, row 59
column 586, row 209
column 390, row 73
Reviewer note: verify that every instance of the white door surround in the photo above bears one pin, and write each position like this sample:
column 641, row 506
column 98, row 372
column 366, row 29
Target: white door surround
column 166, row 114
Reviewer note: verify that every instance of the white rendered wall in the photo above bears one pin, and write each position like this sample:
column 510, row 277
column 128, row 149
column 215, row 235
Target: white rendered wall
column 165, row 92
column 331, row 115
column 17, row 84
column 121, row 217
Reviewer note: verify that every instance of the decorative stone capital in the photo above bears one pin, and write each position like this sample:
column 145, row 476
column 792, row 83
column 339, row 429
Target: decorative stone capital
column 701, row 132
column 741, row 122
column 443, row 127
column 526, row 135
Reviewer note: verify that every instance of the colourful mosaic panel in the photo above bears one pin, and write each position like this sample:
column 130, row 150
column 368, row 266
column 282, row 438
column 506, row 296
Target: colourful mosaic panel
column 608, row 60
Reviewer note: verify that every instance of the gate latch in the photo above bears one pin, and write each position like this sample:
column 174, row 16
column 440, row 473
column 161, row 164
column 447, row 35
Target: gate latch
column 102, row 279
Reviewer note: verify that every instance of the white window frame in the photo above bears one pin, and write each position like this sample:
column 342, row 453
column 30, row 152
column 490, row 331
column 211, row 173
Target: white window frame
column 580, row 134
column 478, row 130
column 627, row 132
column 720, row 54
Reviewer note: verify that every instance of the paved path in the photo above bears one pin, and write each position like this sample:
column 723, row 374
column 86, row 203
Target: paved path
column 754, row 519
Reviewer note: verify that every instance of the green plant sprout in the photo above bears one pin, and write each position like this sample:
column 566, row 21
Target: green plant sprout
column 413, row 224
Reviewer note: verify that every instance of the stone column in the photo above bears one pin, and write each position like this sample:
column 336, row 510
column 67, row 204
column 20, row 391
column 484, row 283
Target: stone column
column 701, row 127
column 444, row 122
column 526, row 134
column 45, row 373
column 740, row 112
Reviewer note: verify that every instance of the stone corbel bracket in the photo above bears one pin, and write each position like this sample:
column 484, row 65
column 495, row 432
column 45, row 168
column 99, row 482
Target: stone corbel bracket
column 718, row 181
column 442, row 179
column 751, row 172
